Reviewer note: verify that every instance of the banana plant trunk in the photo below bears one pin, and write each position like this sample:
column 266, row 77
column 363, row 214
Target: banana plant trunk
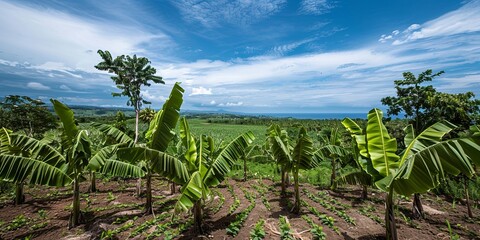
column 93, row 184
column 296, row 205
column 284, row 191
column 333, row 184
column 148, row 204
column 364, row 192
column 417, row 206
column 390, row 224
column 467, row 197
column 173, row 187
column 245, row 169
column 139, row 187
column 75, row 215
column 19, row 195
column 197, row 217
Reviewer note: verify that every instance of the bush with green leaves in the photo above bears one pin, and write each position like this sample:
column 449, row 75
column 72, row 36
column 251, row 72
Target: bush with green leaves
column 258, row 231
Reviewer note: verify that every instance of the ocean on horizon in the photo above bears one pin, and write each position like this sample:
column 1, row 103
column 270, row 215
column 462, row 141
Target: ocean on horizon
column 317, row 116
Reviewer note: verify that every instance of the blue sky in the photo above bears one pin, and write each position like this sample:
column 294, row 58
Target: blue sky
column 255, row 56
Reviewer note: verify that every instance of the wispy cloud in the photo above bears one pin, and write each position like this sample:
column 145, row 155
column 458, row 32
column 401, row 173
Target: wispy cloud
column 315, row 7
column 216, row 12
column 460, row 21
column 37, row 86
column 284, row 49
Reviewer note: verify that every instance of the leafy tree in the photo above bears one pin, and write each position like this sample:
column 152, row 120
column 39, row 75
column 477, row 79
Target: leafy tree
column 427, row 158
column 22, row 113
column 424, row 105
column 131, row 73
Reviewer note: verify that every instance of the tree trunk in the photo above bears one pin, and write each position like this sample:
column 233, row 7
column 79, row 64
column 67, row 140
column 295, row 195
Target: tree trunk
column 364, row 192
column 19, row 196
column 296, row 205
column 287, row 179
column 197, row 217
column 173, row 187
column 467, row 197
column 148, row 204
column 139, row 187
column 93, row 184
column 245, row 169
column 75, row 215
column 333, row 184
column 284, row 191
column 391, row 227
column 417, row 206
column 137, row 113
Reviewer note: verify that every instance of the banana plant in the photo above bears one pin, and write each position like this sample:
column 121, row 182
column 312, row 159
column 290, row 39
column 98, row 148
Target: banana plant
column 292, row 158
column 426, row 159
column 26, row 159
column 332, row 151
column 160, row 133
column 197, row 169
column 77, row 152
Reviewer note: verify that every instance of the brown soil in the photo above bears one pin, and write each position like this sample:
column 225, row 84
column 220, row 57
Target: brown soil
column 115, row 205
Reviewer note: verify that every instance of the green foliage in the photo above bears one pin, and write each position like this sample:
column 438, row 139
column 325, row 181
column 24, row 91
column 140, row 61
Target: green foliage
column 111, row 197
column 147, row 115
column 285, row 229
column 453, row 236
column 423, row 105
column 18, row 222
column 317, row 231
column 130, row 74
column 22, row 113
column 257, row 232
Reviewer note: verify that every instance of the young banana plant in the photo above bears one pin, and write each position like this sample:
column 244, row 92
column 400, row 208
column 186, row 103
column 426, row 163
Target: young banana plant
column 292, row 158
column 76, row 149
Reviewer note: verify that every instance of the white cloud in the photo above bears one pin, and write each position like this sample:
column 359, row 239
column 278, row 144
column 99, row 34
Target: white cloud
column 201, row 91
column 315, row 7
column 55, row 40
column 412, row 27
column 152, row 97
column 8, row 63
column 37, row 86
column 214, row 13
column 212, row 102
